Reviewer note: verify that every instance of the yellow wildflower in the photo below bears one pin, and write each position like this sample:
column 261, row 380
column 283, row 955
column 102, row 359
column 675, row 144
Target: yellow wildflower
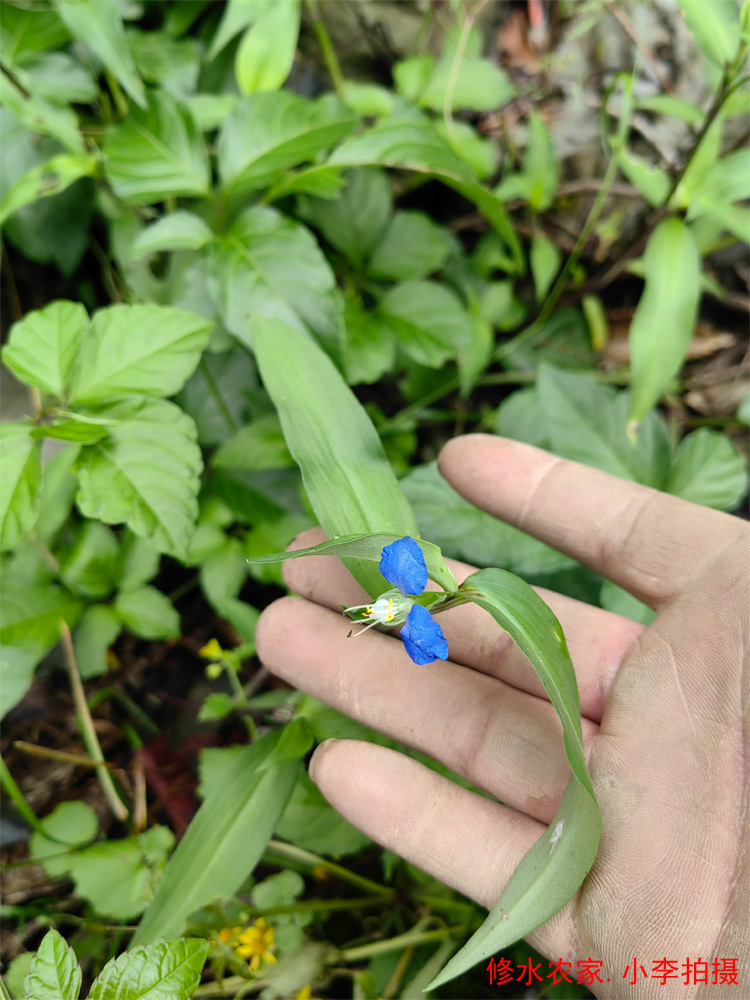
column 254, row 944
column 304, row 994
column 212, row 651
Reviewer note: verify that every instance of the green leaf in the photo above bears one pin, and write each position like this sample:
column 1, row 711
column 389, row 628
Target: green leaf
column 142, row 348
column 43, row 347
column 139, row 562
column 145, row 474
column 71, row 430
column 238, row 14
column 32, row 614
column 20, row 483
column 19, row 967
column 674, row 107
column 269, row 133
column 475, row 85
column 259, row 445
column 165, row 970
column 99, row 26
column 540, row 166
column 296, row 739
column 97, row 629
column 552, row 871
column 177, row 231
column 481, row 154
column 370, row 547
column 652, row 182
column 428, row 321
column 224, row 572
column 55, row 973
column 723, row 183
column 90, row 565
column 224, row 842
column 715, row 27
column 411, row 76
column 46, row 180
column 266, row 53
column 412, row 247
column 148, row 613
column 25, row 32
column 355, row 222
column 169, row 63
column 369, row 348
column 585, row 422
column 465, row 532
column 321, row 181
column 620, row 602
column 368, row 98
column 157, row 153
column 271, row 267
column 17, row 668
column 216, row 395
column 310, row 822
column 347, row 477
column 59, row 78
column 519, row 416
column 413, row 144
column 43, row 117
column 545, row 260
column 708, row 469
column 665, row 315
column 70, row 825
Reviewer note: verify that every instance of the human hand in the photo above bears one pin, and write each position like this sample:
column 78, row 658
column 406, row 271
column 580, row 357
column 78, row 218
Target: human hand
column 665, row 715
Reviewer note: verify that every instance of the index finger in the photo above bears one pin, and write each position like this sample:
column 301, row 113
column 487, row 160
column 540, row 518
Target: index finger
column 652, row 544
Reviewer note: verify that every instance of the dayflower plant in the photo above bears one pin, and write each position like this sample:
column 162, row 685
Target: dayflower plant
column 403, row 565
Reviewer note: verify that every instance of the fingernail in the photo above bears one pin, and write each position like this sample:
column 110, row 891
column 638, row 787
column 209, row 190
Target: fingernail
column 316, row 757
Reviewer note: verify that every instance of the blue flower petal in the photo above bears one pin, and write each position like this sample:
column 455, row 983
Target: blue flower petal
column 403, row 565
column 423, row 638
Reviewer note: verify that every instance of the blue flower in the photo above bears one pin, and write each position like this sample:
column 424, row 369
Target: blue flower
column 402, row 564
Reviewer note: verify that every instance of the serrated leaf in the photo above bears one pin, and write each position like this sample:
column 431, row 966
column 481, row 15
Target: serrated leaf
column 140, row 348
column 348, row 480
column 25, row 32
column 269, row 266
column 45, row 181
column 97, row 629
column 145, row 474
column 428, row 321
column 224, row 842
column 165, row 970
column 148, row 613
column 176, row 231
column 412, row 247
column 265, row 55
column 552, row 871
column 157, row 153
column 99, row 26
column 664, row 318
column 708, row 469
column 269, row 133
column 55, row 973
column 43, row 347
column 20, row 483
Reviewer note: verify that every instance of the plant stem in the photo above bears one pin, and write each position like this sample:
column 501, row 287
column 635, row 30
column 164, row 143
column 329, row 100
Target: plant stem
column 311, row 861
column 402, row 941
column 86, row 723
column 456, row 64
column 315, row 905
column 326, row 47
column 16, row 796
column 4, row 990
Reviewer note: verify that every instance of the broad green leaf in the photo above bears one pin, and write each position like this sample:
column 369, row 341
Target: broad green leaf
column 708, row 469
column 296, row 739
column 241, row 616
column 266, row 53
column 157, row 153
column 97, row 629
column 145, row 474
column 665, row 315
column 540, row 177
column 715, row 27
column 32, row 614
column 562, row 341
column 411, row 76
column 25, row 32
column 169, row 63
column 675, row 107
column 259, row 445
column 43, row 117
column 652, row 182
column 55, row 973
column 69, row 826
column 368, row 98
column 475, row 85
column 139, row 562
column 519, row 417
column 43, row 347
column 224, row 572
column 321, row 181
column 428, row 321
column 414, row 144
column 310, row 822
column 501, row 307
column 177, row 231
column 46, row 180
column 71, row 430
column 89, row 566
column 224, row 842
column 268, row 266
column 545, row 260
column 238, row 14
column 58, row 77
column 370, row 547
column 164, row 970
column 369, row 348
column 481, row 154
column 210, row 110
column 723, row 183
column 17, row 668
column 148, row 613
column 269, row 133
column 347, row 477
column 412, row 247
column 18, row 969
column 216, row 395
column 355, row 222
column 141, row 348
column 465, row 532
column 476, row 356
column 20, row 482
column 97, row 23
column 585, row 422
column 552, row 871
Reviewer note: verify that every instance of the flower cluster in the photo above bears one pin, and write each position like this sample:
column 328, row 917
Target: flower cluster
column 402, row 564
column 254, row 944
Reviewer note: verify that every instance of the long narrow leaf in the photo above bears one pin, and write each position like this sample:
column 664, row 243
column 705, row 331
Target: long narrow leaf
column 553, row 870
column 347, row 476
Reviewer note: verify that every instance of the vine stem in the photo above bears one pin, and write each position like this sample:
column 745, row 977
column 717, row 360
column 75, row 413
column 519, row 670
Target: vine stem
column 326, row 46
column 406, row 940
column 291, row 853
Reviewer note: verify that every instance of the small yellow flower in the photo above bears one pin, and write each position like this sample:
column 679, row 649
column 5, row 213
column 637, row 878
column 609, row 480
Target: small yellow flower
column 305, row 993
column 254, row 944
column 212, row 651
